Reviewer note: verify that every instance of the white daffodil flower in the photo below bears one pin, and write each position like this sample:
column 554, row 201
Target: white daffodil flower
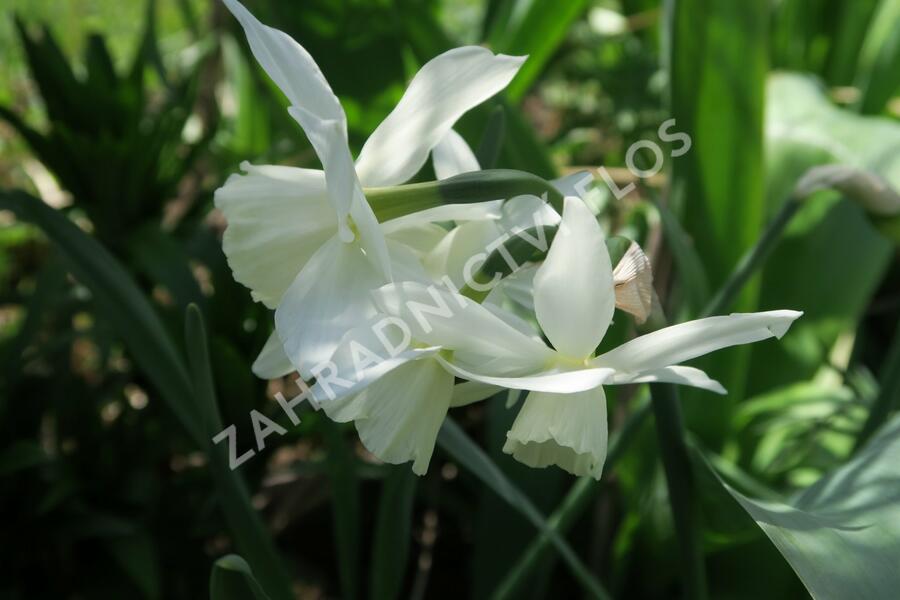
column 306, row 242
column 563, row 419
column 397, row 394
column 458, row 254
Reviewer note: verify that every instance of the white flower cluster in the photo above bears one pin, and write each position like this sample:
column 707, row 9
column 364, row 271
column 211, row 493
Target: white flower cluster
column 373, row 311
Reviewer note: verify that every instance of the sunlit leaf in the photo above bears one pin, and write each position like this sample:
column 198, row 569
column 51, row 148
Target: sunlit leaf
column 842, row 535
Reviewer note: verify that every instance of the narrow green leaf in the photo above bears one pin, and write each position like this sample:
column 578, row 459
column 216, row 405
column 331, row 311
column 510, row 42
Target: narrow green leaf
column 345, row 506
column 717, row 63
column 136, row 554
column 162, row 258
column 21, row 455
column 694, row 282
column 120, row 301
column 393, row 534
column 878, row 72
column 455, row 441
column 492, row 139
column 680, row 478
column 536, row 28
column 232, row 579
column 888, row 391
column 573, row 506
column 249, row 532
column 843, row 53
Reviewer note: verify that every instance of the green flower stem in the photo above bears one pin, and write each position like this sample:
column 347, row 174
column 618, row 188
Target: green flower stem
column 573, row 506
column 753, row 259
column 477, row 186
column 392, row 202
column 673, row 450
column 888, row 393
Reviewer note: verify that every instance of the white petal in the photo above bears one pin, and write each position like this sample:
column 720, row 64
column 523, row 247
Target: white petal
column 516, row 289
column 526, row 212
column 678, row 343
column 371, row 237
column 329, row 139
column 453, row 256
column 556, row 380
column 328, row 298
column 470, row 392
column 452, row 156
column 441, row 92
column 577, row 184
column 403, row 412
column 439, row 317
column 272, row 362
column 574, row 297
column 677, row 374
column 515, row 321
column 474, row 211
column 420, row 238
column 364, row 355
column 289, row 65
column 277, row 218
column 569, row 431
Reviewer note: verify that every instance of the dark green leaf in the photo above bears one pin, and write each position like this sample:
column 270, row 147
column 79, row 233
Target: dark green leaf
column 455, row 441
column 393, row 534
column 232, row 579
column 121, row 302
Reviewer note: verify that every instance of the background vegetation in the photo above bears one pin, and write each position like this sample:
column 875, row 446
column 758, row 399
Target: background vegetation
column 123, row 117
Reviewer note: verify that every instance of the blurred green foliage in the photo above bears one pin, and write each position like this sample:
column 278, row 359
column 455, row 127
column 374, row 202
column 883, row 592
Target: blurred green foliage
column 126, row 116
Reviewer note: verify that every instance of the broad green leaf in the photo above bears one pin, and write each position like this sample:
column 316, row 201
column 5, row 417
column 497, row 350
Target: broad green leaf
column 803, row 130
column 878, row 72
column 393, row 534
column 232, row 579
column 455, row 441
column 842, row 535
column 717, row 64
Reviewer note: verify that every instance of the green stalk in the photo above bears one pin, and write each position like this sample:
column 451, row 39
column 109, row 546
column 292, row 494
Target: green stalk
column 888, row 392
column 477, row 186
column 673, row 450
column 753, row 259
column 566, row 514
column 392, row 202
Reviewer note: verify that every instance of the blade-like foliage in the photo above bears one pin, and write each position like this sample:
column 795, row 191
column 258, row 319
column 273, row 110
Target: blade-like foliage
column 842, row 535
